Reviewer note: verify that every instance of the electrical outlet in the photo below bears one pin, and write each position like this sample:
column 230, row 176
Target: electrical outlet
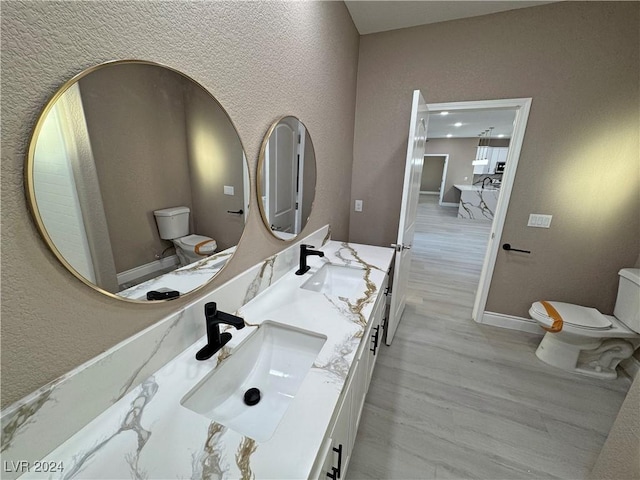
column 539, row 220
column 358, row 205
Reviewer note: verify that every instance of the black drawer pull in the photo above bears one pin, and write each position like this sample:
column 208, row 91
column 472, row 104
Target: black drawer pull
column 339, row 452
column 374, row 338
column 334, row 473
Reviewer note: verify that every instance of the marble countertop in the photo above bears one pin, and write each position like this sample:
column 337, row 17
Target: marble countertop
column 474, row 188
column 149, row 434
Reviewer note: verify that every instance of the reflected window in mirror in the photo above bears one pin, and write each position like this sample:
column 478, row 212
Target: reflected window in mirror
column 137, row 180
column 286, row 178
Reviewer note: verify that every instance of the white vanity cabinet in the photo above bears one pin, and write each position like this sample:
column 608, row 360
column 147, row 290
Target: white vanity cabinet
column 333, row 459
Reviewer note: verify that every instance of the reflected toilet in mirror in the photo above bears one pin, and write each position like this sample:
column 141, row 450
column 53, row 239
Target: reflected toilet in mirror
column 137, row 180
column 286, row 178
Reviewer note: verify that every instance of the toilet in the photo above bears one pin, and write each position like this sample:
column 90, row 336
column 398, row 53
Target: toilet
column 583, row 340
column 173, row 224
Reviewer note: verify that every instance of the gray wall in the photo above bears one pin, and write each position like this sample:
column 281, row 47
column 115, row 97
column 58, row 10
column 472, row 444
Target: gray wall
column 136, row 122
column 432, row 174
column 461, row 152
column 579, row 161
column 215, row 159
column 51, row 322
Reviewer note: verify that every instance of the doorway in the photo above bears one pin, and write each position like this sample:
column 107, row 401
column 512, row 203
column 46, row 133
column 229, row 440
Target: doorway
column 446, row 121
column 434, row 173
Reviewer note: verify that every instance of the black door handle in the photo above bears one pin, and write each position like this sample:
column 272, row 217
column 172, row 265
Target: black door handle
column 236, row 212
column 508, row 248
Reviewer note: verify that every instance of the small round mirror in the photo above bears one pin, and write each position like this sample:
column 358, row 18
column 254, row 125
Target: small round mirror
column 286, row 178
column 138, row 181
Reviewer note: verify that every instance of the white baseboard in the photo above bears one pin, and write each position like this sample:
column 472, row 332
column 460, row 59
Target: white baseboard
column 449, row 204
column 423, row 192
column 146, row 269
column 631, row 366
column 511, row 322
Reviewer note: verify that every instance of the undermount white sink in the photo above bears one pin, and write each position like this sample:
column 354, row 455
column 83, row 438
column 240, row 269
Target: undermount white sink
column 337, row 280
column 274, row 359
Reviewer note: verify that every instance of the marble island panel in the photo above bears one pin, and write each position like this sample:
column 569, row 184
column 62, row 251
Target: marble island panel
column 477, row 203
column 147, row 433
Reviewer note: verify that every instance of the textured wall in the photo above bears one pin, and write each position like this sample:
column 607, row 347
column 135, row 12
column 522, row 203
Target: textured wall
column 580, row 158
column 261, row 60
column 620, row 455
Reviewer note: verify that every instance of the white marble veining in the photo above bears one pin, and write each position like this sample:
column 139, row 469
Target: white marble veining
column 477, row 203
column 147, row 433
column 184, row 279
column 31, row 427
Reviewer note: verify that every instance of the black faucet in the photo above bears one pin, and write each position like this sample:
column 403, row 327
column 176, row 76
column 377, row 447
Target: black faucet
column 215, row 339
column 305, row 251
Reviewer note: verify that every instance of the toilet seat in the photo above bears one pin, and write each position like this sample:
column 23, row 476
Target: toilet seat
column 576, row 315
column 199, row 244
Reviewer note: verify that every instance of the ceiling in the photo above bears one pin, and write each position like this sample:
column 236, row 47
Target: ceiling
column 474, row 122
column 380, row 16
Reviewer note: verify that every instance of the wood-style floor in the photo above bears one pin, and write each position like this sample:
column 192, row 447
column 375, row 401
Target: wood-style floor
column 454, row 399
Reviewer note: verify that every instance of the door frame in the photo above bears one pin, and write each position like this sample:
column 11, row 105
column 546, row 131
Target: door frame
column 522, row 107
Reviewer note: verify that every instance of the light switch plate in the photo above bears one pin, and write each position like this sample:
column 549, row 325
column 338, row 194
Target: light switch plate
column 358, row 205
column 539, row 220
column 228, row 190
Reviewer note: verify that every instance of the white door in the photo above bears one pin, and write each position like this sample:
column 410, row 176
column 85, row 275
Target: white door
column 408, row 211
column 283, row 149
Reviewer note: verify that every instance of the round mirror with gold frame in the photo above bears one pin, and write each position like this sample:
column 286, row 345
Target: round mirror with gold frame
column 286, row 178
column 138, row 181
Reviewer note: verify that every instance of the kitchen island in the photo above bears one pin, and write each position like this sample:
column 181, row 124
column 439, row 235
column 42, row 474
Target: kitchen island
column 477, row 203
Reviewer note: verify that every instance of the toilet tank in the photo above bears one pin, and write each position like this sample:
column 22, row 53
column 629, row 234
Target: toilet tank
column 172, row 222
column 627, row 308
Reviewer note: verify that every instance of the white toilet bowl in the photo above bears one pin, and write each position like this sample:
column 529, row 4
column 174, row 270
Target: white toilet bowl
column 583, row 340
column 193, row 248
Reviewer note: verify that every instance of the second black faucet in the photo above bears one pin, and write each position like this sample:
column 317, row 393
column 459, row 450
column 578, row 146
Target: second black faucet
column 305, row 251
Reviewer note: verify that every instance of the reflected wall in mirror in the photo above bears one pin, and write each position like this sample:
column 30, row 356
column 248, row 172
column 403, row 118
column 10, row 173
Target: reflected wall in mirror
column 286, row 178
column 117, row 143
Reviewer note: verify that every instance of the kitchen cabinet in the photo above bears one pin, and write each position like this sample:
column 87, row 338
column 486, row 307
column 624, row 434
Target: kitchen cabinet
column 493, row 155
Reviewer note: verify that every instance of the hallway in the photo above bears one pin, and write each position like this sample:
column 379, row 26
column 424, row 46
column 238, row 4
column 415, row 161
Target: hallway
column 454, row 399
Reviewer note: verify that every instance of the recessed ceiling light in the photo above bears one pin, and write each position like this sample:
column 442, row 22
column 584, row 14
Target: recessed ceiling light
column 449, row 135
column 444, row 113
column 501, row 135
column 458, row 124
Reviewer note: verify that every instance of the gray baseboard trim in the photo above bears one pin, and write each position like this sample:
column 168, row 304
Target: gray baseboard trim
column 449, row 204
column 146, row 269
column 511, row 322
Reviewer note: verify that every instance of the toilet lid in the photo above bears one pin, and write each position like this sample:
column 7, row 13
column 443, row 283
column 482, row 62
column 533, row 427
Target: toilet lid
column 577, row 315
column 206, row 244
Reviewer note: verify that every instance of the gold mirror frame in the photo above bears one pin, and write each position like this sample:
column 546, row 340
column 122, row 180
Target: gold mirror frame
column 303, row 204
column 30, row 184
